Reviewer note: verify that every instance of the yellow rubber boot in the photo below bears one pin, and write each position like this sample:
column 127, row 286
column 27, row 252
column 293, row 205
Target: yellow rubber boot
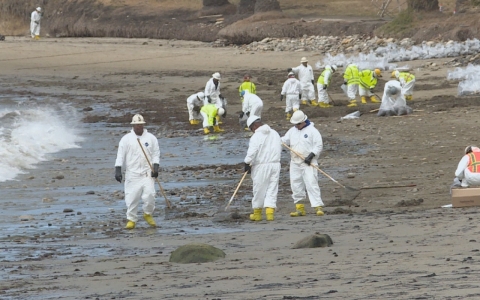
column 304, row 102
column 409, row 97
column 374, row 99
column 218, row 120
column 216, row 128
column 257, row 215
column 149, row 220
column 314, row 103
column 130, row 225
column 324, row 105
column 269, row 211
column 206, row 131
column 289, row 115
column 295, row 109
column 353, row 103
column 37, row 37
column 300, row 211
column 192, row 122
column 364, row 100
column 196, row 122
column 319, row 211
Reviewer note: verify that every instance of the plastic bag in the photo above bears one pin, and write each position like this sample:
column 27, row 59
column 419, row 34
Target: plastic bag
column 354, row 115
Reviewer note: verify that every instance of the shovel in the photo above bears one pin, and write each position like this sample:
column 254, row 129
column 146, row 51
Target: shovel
column 350, row 189
column 331, row 99
column 156, row 179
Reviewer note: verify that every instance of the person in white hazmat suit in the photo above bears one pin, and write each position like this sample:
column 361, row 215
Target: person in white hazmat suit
column 291, row 89
column 194, row 104
column 307, row 80
column 393, row 102
column 213, row 94
column 306, row 140
column 407, row 81
column 322, row 84
column 252, row 104
column 35, row 23
column 468, row 170
column 139, row 177
column 263, row 161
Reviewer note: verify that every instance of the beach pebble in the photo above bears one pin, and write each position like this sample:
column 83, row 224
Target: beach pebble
column 26, row 218
column 351, row 175
column 59, row 177
column 68, row 210
column 90, row 193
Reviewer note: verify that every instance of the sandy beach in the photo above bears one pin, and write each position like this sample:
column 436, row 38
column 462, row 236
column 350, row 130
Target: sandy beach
column 62, row 220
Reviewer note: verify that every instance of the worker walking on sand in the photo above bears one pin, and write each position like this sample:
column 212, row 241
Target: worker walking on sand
column 307, row 80
column 247, row 85
column 209, row 113
column 194, row 104
column 136, row 151
column 291, row 89
column 351, row 80
column 322, row 84
column 263, row 161
column 306, row 140
column 407, row 81
column 368, row 81
column 468, row 170
column 35, row 23
column 213, row 94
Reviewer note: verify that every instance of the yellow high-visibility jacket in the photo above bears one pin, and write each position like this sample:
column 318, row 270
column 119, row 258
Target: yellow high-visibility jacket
column 405, row 77
column 211, row 111
column 367, row 80
column 351, row 74
column 327, row 73
column 247, row 86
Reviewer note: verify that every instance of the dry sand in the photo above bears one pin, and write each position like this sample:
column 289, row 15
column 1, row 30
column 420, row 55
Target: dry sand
column 392, row 243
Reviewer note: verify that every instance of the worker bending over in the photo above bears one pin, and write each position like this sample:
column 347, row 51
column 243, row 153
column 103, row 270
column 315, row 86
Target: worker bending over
column 209, row 113
column 368, row 81
column 351, row 80
column 194, row 104
column 407, row 81
column 322, row 84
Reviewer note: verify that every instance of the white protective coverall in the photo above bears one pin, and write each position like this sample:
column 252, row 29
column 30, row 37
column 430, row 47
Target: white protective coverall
column 138, row 180
column 291, row 89
column 214, row 93
column 252, row 104
column 35, row 23
column 393, row 102
column 192, row 102
column 302, row 176
column 322, row 94
column 264, row 151
column 464, row 174
column 305, row 76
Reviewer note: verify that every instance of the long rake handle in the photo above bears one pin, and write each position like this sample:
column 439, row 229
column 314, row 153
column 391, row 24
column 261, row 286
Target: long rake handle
column 320, row 170
column 156, row 179
column 331, row 99
column 236, row 190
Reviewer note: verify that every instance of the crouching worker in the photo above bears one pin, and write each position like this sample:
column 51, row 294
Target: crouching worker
column 194, row 104
column 468, row 170
column 263, row 161
column 209, row 113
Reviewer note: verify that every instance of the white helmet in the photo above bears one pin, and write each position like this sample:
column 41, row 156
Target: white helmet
column 291, row 74
column 201, row 95
column 298, row 117
column 216, row 75
column 221, row 111
column 39, row 8
column 252, row 119
column 138, row 119
column 304, row 59
column 328, row 67
column 334, row 68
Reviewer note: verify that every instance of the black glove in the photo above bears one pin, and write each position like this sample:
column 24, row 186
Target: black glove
column 241, row 115
column 248, row 114
column 371, row 90
column 118, row 174
column 345, row 82
column 36, row 22
column 325, row 86
column 221, row 96
column 209, row 99
column 309, row 158
column 313, row 82
column 225, row 113
column 299, row 96
column 289, row 70
column 281, row 97
column 155, row 171
column 248, row 168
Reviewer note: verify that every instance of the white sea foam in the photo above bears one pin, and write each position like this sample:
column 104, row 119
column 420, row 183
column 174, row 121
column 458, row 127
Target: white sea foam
column 28, row 134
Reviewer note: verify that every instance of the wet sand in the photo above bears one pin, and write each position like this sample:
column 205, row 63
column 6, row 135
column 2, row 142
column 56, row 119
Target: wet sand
column 392, row 243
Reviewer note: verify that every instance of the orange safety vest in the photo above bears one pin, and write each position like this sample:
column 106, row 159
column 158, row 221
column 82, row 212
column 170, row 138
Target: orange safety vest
column 474, row 163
